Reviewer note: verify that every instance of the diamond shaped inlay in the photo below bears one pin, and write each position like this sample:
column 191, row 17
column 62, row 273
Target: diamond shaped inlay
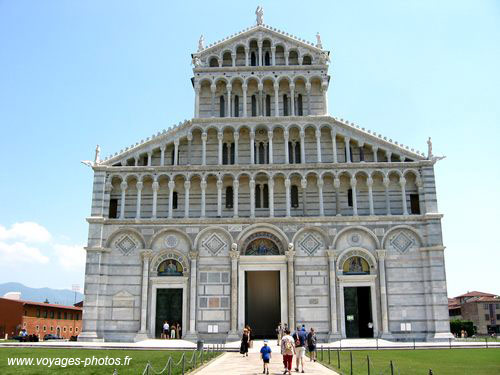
column 126, row 245
column 402, row 242
column 214, row 244
column 309, row 243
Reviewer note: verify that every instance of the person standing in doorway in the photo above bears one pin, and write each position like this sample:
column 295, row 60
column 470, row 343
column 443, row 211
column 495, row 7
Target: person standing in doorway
column 288, row 351
column 265, row 353
column 244, row 343
column 311, row 344
column 300, row 338
column 166, row 330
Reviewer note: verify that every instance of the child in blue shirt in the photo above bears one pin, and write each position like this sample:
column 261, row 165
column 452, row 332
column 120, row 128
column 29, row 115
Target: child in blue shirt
column 265, row 353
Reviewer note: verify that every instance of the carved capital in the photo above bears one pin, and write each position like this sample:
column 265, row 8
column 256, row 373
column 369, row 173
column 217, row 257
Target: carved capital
column 124, row 185
column 204, row 136
column 171, row 185
column 336, row 183
column 236, row 184
column 236, row 136
column 386, row 181
column 302, row 133
column 402, row 181
column 381, row 253
column 220, row 136
column 353, row 182
column 320, row 183
column 332, row 254
column 213, row 88
column 190, row 137
column 219, row 184
column 369, row 182
column 270, row 134
column 318, row 133
column 234, row 254
column 139, row 185
column 203, row 184
column 303, row 183
column 290, row 253
column 187, row 185
column 260, row 87
column 155, row 186
column 176, row 142
column 193, row 255
column 146, row 254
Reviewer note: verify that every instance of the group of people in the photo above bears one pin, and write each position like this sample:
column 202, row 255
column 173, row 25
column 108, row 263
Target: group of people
column 290, row 344
column 171, row 331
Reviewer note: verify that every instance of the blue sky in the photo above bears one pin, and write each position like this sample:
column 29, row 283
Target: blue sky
column 77, row 73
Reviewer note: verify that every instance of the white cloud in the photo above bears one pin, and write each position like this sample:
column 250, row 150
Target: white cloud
column 27, row 231
column 70, row 257
column 19, row 253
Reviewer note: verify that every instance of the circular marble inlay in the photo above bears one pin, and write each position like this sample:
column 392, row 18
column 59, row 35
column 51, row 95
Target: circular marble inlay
column 171, row 241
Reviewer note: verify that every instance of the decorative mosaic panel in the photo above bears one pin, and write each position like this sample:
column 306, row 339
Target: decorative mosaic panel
column 355, row 239
column 402, row 241
column 310, row 243
column 126, row 244
column 170, row 241
column 214, row 244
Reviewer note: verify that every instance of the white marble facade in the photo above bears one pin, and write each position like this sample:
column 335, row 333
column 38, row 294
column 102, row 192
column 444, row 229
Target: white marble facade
column 263, row 159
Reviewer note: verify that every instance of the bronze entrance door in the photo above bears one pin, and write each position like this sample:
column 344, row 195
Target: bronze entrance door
column 168, row 308
column 358, row 312
column 262, row 302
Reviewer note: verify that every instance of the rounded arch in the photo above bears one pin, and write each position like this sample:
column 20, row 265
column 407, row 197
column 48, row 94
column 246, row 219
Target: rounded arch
column 220, row 78
column 205, row 79
column 213, row 61
column 357, row 252
column 412, row 170
column 400, row 227
column 166, row 255
column 166, row 230
column 120, row 232
column 263, row 227
column 358, row 227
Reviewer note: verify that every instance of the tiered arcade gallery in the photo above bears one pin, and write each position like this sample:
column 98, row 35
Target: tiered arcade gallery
column 263, row 209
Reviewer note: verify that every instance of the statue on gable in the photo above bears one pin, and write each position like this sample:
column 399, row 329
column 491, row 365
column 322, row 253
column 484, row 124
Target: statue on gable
column 201, row 43
column 429, row 148
column 324, row 58
column 318, row 41
column 195, row 61
column 97, row 159
column 259, row 12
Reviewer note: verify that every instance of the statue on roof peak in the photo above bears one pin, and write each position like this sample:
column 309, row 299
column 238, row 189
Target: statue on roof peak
column 318, row 41
column 201, row 43
column 259, row 12
column 97, row 159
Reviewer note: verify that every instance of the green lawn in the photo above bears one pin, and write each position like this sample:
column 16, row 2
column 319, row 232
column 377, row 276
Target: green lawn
column 417, row 362
column 136, row 365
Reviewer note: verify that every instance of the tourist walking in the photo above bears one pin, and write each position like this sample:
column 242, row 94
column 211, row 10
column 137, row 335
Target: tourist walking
column 265, row 353
column 288, row 351
column 244, row 343
column 311, row 344
column 300, row 338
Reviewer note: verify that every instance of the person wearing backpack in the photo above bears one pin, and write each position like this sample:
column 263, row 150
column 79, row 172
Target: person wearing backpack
column 288, row 351
column 311, row 344
column 300, row 338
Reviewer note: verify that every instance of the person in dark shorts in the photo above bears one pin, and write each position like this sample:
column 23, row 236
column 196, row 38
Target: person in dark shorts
column 265, row 353
column 311, row 344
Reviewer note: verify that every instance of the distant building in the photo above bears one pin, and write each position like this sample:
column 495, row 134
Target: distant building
column 39, row 318
column 483, row 309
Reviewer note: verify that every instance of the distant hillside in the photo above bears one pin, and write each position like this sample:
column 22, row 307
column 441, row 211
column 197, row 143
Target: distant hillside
column 58, row 296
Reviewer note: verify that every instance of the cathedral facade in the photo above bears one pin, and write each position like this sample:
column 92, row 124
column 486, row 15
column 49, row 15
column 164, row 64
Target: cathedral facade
column 263, row 209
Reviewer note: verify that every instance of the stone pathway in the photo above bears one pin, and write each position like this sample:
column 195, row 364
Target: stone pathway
column 235, row 364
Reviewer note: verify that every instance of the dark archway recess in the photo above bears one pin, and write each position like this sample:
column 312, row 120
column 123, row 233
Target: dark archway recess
column 168, row 308
column 358, row 312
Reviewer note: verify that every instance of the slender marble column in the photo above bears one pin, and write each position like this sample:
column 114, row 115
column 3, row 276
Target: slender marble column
column 292, row 98
column 273, row 55
column 213, row 88
column 336, row 185
column 235, row 255
column 270, row 138
column 204, row 138
column 193, row 256
column 260, row 53
column 136, row 161
column 236, row 137
column 245, row 87
column 261, row 104
column 219, row 198
column 287, row 155
column 220, row 137
column 150, row 155
column 288, row 203
column 318, row 144
column 247, row 50
column 402, row 182
column 286, row 57
column 203, row 187
column 271, row 196
column 361, row 152
column 369, row 183
column 387, row 197
column 162, row 155
column 190, row 147
column 197, row 101
column 252, row 147
column 251, row 184
column 324, row 89
column 388, row 155
column 233, row 58
column 187, row 186
column 347, row 142
column 276, row 99
column 332, row 256
column 123, row 187
column 171, row 186
column 176, row 152
column 308, row 92
column 383, row 291
column 290, row 254
column 421, row 196
column 228, row 114
column 354, row 196
column 236, row 185
column 155, row 188
column 375, row 156
column 334, row 147
column 146, row 256
column 320, row 195
column 302, row 146
column 139, row 187
column 303, row 184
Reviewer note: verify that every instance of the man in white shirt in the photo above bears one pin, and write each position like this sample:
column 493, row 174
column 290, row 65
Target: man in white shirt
column 166, row 332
